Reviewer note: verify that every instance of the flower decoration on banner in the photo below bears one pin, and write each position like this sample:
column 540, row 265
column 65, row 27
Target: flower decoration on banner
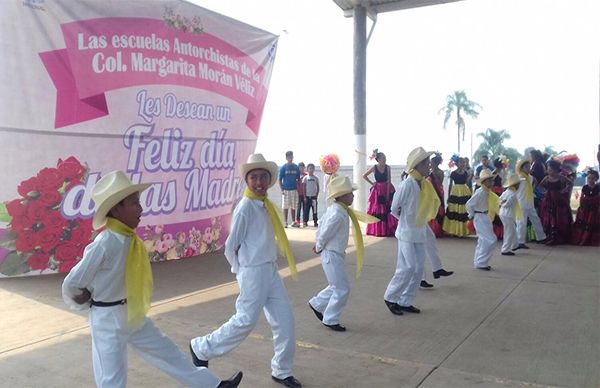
column 38, row 237
column 453, row 162
column 182, row 23
column 330, row 163
column 501, row 161
column 162, row 245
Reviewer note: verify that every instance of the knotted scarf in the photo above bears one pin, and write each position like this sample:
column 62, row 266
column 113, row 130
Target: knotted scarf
column 138, row 275
column 493, row 203
column 528, row 187
column 355, row 216
column 429, row 202
column 280, row 236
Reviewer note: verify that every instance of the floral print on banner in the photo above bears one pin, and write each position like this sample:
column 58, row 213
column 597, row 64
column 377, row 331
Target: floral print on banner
column 38, row 237
column 182, row 23
column 164, row 245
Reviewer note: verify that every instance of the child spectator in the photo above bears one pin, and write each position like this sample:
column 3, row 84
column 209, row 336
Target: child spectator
column 301, row 194
column 114, row 280
column 289, row 175
column 310, row 184
column 482, row 208
column 587, row 221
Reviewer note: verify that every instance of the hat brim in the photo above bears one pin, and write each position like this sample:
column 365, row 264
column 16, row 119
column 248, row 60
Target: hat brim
column 343, row 192
column 271, row 167
column 421, row 158
column 103, row 209
column 508, row 184
column 520, row 164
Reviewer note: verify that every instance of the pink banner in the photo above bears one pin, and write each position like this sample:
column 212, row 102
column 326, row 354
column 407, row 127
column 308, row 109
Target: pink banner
column 173, row 97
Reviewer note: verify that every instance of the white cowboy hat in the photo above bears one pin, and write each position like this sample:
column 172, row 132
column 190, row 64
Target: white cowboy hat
column 257, row 161
column 520, row 164
column 111, row 189
column 338, row 186
column 416, row 156
column 484, row 174
column 512, row 180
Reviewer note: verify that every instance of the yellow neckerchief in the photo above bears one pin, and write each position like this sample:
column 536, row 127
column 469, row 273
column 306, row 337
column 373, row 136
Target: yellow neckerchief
column 429, row 202
column 356, row 215
column 518, row 210
column 528, row 187
column 138, row 275
column 493, row 202
column 280, row 236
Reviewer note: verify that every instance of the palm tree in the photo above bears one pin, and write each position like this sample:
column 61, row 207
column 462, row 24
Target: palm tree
column 492, row 144
column 459, row 102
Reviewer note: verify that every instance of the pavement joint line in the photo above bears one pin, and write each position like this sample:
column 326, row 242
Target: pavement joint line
column 44, row 339
column 485, row 318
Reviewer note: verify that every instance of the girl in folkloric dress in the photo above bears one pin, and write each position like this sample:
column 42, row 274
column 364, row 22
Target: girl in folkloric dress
column 455, row 220
column 380, row 197
column 436, row 177
column 555, row 209
column 586, row 230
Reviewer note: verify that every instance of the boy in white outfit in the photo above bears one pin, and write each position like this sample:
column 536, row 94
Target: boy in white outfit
column 416, row 203
column 525, row 197
column 482, row 208
column 252, row 252
column 114, row 280
column 509, row 212
column 331, row 243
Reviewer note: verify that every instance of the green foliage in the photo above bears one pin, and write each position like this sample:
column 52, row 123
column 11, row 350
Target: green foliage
column 458, row 102
column 492, row 145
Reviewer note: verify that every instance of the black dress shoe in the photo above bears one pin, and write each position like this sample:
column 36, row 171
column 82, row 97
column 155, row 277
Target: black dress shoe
column 521, row 246
column 232, row 382
column 336, row 327
column 424, row 284
column 394, row 307
column 317, row 313
column 442, row 272
column 488, row 268
column 410, row 309
column 508, row 253
column 197, row 361
column 288, row 381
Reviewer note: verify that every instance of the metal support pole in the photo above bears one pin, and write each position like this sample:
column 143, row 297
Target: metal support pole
column 360, row 105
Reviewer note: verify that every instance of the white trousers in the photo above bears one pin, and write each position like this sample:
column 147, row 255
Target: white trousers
column 261, row 289
column 409, row 271
column 486, row 240
column 535, row 222
column 509, row 241
column 110, row 336
column 333, row 298
column 432, row 253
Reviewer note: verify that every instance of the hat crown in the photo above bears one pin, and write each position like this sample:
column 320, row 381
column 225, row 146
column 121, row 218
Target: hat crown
column 339, row 186
column 416, row 156
column 109, row 184
column 485, row 174
column 256, row 158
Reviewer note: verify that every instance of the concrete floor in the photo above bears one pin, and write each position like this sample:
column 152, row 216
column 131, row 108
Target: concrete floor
column 532, row 321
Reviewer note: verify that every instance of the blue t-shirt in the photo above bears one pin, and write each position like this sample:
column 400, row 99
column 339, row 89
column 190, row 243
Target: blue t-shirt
column 289, row 175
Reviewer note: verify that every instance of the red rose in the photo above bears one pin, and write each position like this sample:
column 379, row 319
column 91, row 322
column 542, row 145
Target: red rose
column 38, row 261
column 53, row 219
column 80, row 235
column 66, row 266
column 26, row 241
column 35, row 211
column 49, row 238
column 27, row 186
column 15, row 208
column 70, row 168
column 66, row 251
column 50, row 178
column 50, row 197
column 72, row 183
column 18, row 224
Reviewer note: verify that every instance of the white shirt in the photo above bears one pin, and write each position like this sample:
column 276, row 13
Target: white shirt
column 332, row 234
column 477, row 203
column 101, row 271
column 521, row 195
column 310, row 183
column 252, row 236
column 405, row 203
column 507, row 203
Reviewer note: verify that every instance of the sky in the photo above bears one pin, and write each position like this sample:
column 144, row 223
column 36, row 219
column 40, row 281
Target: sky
column 533, row 65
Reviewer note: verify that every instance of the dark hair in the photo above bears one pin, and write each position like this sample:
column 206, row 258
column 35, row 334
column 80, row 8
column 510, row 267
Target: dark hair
column 594, row 173
column 498, row 163
column 553, row 164
column 536, row 155
column 377, row 154
column 301, row 164
column 437, row 158
column 289, row 153
column 484, row 156
column 310, row 165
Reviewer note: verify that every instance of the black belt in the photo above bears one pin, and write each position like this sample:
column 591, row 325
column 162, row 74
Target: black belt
column 108, row 304
column 485, row 212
